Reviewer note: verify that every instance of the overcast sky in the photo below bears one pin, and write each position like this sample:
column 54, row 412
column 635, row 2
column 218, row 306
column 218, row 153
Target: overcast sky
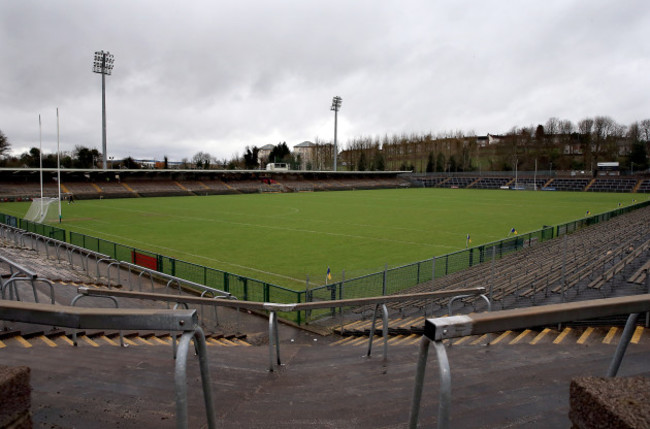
column 218, row 76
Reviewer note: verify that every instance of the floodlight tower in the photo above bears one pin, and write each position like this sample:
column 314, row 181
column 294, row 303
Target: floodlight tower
column 336, row 105
column 103, row 65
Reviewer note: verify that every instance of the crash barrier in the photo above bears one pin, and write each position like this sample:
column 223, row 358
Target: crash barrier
column 438, row 329
column 185, row 321
column 17, row 274
column 97, row 265
column 274, row 308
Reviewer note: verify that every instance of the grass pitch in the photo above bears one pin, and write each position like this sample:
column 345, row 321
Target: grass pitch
column 283, row 238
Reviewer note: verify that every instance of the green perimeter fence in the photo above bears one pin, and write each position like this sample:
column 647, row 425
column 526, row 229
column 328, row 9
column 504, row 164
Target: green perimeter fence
column 36, row 228
column 386, row 282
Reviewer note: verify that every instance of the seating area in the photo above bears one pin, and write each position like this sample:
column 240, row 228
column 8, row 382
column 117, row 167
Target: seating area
column 589, row 263
column 565, row 184
column 613, row 185
column 95, row 184
column 531, row 183
column 155, row 187
column 492, row 182
column 644, row 186
column 458, row 182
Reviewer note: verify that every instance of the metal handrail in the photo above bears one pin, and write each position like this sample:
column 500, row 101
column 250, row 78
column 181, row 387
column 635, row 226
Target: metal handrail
column 273, row 308
column 438, row 329
column 129, row 319
column 14, row 265
column 117, row 305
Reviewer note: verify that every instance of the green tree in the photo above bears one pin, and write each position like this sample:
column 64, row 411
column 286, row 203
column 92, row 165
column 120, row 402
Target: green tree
column 431, row 165
column 440, row 162
column 638, row 156
column 280, row 153
column 362, row 165
column 379, row 163
column 453, row 165
column 129, row 163
column 251, row 161
column 84, row 157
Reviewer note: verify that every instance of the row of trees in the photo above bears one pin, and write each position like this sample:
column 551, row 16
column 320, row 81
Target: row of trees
column 251, row 159
column 81, row 157
column 557, row 144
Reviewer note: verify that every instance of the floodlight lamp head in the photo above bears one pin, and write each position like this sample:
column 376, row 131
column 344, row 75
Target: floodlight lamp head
column 336, row 103
column 104, row 62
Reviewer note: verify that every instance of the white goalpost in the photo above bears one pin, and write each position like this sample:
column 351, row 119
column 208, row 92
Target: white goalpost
column 42, row 209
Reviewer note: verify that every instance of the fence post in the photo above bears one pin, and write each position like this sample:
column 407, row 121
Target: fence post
column 342, row 288
column 433, row 270
column 494, row 256
column 298, row 318
column 564, row 267
column 226, row 281
column 647, row 284
column 383, row 286
column 307, row 298
column 245, row 281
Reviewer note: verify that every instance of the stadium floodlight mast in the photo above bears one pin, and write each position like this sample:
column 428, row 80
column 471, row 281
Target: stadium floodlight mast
column 336, row 105
column 103, row 65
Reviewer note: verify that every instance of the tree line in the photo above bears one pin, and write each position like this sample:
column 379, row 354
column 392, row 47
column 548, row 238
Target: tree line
column 557, row 144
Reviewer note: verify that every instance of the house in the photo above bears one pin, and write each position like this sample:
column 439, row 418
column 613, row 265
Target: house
column 307, row 153
column 264, row 152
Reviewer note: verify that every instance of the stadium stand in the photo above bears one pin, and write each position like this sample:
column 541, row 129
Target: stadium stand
column 590, row 263
column 564, row 184
column 531, row 183
column 100, row 385
column 644, row 186
column 424, row 181
column 613, row 185
column 156, row 187
column 458, row 182
column 93, row 184
column 491, row 182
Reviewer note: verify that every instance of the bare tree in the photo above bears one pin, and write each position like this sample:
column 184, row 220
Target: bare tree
column 201, row 160
column 4, row 144
column 552, row 126
column 645, row 129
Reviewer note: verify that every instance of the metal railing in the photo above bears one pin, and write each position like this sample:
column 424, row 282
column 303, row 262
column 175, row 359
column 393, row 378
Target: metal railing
column 438, row 329
column 274, row 308
column 18, row 273
column 127, row 319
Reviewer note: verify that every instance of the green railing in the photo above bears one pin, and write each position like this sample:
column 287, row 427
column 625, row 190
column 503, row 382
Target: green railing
column 397, row 279
column 245, row 288
column 385, row 282
column 37, row 228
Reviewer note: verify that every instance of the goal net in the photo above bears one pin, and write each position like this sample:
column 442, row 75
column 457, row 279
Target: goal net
column 42, row 209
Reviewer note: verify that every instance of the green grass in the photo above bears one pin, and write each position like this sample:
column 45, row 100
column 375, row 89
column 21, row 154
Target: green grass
column 283, row 238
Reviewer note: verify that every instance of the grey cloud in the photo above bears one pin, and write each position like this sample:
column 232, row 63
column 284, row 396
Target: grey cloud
column 217, row 76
